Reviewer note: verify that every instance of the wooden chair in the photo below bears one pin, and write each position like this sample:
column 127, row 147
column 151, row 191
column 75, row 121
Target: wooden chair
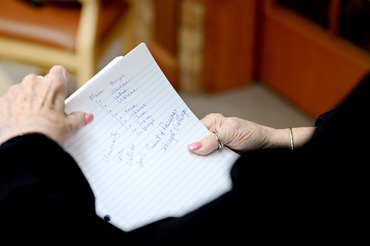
column 71, row 36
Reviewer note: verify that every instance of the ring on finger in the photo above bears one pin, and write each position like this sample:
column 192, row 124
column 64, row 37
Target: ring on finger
column 220, row 143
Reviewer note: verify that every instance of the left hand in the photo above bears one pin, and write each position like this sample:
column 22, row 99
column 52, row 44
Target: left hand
column 37, row 105
column 238, row 134
column 243, row 135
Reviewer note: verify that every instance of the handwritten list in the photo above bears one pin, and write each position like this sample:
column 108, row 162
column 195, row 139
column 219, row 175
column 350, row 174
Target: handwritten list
column 134, row 154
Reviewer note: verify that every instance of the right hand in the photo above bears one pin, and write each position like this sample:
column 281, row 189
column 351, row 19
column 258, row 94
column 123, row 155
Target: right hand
column 37, row 105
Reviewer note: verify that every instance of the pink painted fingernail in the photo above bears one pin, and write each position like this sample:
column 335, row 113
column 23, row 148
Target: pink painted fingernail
column 89, row 118
column 194, row 146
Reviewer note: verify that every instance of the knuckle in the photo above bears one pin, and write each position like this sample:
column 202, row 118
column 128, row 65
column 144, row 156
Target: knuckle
column 53, row 77
column 59, row 67
column 29, row 77
column 13, row 89
column 61, row 71
column 212, row 120
column 29, row 80
column 232, row 123
column 215, row 116
column 55, row 81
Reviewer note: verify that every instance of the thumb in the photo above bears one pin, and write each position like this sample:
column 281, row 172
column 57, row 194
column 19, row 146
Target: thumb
column 204, row 146
column 77, row 120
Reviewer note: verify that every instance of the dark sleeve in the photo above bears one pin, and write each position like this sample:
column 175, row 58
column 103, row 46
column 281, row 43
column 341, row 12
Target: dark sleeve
column 324, row 117
column 44, row 197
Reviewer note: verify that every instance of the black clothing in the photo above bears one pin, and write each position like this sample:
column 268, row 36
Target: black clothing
column 314, row 194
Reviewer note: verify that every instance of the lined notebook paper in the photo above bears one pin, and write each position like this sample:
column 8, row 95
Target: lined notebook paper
column 134, row 154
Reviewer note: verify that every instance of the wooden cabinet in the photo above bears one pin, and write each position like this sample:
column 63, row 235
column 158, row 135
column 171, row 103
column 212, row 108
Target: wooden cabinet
column 210, row 41
column 216, row 45
column 230, row 52
column 311, row 66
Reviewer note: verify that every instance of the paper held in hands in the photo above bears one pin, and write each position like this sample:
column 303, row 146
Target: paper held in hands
column 134, row 154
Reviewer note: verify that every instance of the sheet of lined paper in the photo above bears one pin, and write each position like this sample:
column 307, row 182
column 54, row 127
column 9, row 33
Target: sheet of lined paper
column 134, row 154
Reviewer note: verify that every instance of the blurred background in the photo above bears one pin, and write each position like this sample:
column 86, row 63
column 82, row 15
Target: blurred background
column 276, row 62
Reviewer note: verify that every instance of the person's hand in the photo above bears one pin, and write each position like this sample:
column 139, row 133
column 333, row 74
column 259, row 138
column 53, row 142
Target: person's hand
column 236, row 133
column 37, row 105
column 242, row 135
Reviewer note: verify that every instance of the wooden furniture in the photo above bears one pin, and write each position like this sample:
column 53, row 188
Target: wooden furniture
column 230, row 40
column 210, row 44
column 72, row 36
column 312, row 67
column 156, row 24
column 222, row 44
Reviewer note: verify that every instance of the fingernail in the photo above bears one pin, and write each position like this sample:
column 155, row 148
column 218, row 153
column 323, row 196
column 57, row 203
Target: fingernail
column 194, row 146
column 89, row 118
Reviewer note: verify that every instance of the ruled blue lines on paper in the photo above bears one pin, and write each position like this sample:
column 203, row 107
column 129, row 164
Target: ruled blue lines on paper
column 98, row 149
column 135, row 155
column 98, row 109
column 102, row 123
column 150, row 172
column 187, row 182
column 152, row 66
column 157, row 175
column 145, row 148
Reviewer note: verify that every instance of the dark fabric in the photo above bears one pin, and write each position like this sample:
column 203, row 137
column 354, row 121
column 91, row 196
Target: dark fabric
column 316, row 194
column 44, row 197
column 39, row 3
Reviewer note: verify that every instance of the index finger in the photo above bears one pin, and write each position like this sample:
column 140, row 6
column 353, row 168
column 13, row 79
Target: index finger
column 56, row 81
column 213, row 121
